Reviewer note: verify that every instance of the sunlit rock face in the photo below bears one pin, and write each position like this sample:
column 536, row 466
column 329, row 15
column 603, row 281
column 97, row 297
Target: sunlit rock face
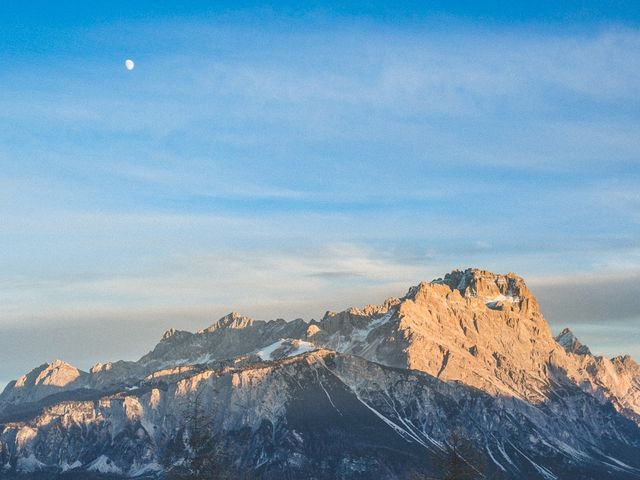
column 40, row 382
column 486, row 331
column 372, row 391
column 54, row 374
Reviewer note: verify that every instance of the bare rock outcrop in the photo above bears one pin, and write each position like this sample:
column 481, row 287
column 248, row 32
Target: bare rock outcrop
column 571, row 344
column 40, row 382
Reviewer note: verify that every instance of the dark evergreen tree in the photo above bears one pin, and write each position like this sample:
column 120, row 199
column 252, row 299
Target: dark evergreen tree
column 198, row 445
column 462, row 460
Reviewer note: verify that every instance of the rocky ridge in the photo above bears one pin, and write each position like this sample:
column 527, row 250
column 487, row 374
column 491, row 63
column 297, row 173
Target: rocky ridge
column 470, row 351
column 571, row 344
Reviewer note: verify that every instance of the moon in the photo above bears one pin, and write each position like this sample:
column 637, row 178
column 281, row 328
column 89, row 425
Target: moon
column 128, row 63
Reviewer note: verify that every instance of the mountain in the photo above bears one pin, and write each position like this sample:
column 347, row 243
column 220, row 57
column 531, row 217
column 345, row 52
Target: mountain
column 571, row 344
column 368, row 392
column 40, row 382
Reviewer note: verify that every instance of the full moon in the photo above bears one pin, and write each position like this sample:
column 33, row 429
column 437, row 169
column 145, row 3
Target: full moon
column 129, row 64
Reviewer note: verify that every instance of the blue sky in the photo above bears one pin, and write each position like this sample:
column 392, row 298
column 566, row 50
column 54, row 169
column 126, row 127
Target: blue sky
column 282, row 160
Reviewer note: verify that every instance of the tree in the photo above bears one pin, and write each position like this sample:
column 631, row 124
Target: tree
column 462, row 460
column 4, row 455
column 200, row 449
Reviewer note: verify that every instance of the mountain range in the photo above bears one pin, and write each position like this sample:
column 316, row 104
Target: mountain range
column 373, row 392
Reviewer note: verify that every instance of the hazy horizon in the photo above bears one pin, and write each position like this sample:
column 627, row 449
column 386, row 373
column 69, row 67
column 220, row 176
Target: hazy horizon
column 131, row 341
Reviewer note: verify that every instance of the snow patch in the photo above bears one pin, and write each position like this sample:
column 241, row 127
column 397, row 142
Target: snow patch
column 618, row 465
column 407, row 436
column 65, row 467
column 361, row 335
column 504, row 454
column 546, row 473
column 301, row 347
column 500, row 466
column 29, row 464
column 326, row 393
column 577, row 455
column 152, row 467
column 265, row 353
column 188, row 361
column 104, row 464
column 294, row 347
column 492, row 302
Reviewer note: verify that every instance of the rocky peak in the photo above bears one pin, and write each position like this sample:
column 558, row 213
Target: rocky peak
column 374, row 309
column 44, row 380
column 173, row 334
column 626, row 361
column 348, row 321
column 102, row 367
column 231, row 320
column 168, row 334
column 56, row 374
column 473, row 282
column 334, row 322
column 496, row 290
column 571, row 344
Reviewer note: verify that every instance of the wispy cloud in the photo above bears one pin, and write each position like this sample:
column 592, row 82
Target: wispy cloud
column 266, row 283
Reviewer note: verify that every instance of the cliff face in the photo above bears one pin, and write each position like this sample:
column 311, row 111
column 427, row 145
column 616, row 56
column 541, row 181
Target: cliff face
column 482, row 329
column 366, row 392
column 40, row 382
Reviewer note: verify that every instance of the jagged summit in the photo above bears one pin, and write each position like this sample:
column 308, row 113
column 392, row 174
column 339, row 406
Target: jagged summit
column 172, row 334
column 57, row 373
column 494, row 291
column 474, row 282
column 231, row 320
column 571, row 344
column 44, row 380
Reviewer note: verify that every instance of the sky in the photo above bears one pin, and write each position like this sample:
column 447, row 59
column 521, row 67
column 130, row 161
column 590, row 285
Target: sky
column 283, row 160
